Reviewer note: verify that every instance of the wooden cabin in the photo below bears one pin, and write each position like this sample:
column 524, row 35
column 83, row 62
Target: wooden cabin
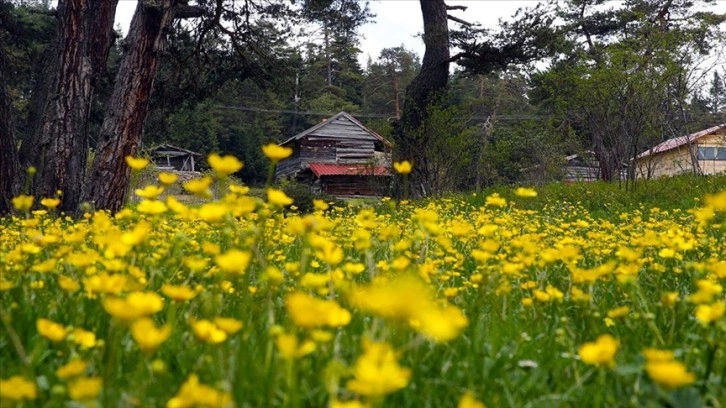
column 702, row 152
column 341, row 157
column 168, row 157
column 584, row 167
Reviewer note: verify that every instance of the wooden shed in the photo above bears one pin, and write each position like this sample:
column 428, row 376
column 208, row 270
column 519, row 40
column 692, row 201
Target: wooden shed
column 583, row 167
column 702, row 152
column 341, row 157
column 168, row 157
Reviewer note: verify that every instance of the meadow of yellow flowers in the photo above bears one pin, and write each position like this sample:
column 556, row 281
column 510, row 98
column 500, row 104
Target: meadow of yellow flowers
column 241, row 301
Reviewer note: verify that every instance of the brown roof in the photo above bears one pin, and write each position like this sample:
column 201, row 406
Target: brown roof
column 671, row 144
column 327, row 169
column 361, row 130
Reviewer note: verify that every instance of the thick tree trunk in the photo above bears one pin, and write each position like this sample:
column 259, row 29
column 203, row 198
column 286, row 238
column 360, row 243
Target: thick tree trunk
column 123, row 126
column 8, row 150
column 422, row 93
column 85, row 35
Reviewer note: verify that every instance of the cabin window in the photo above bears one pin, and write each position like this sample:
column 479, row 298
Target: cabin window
column 712, row 153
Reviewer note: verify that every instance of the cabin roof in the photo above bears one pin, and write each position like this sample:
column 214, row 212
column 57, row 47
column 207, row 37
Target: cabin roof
column 328, row 169
column 328, row 128
column 675, row 142
column 166, row 147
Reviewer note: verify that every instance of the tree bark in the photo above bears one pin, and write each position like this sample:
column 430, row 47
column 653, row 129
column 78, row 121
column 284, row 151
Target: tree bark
column 9, row 166
column 85, row 35
column 122, row 127
column 422, row 93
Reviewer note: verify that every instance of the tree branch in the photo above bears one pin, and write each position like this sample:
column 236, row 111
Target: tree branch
column 458, row 20
column 186, row 11
column 463, row 8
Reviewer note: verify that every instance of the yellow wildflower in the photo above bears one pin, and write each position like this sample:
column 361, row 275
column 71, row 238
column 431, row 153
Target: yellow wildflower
column 23, row 202
column 224, row 165
column 469, row 401
column 377, row 372
column 525, row 192
column 234, row 261
column 147, row 335
column 84, row 338
column 309, row 312
column 403, row 167
column 199, row 187
column 669, row 374
column 290, row 348
column 134, row 306
column 707, row 314
column 51, row 330
column 149, row 191
column 179, row 293
column 228, row 324
column 208, row 332
column 72, row 369
column 50, row 203
column 495, row 200
column 193, row 394
column 17, row 388
column 84, row 389
column 276, row 153
column 278, row 197
column 136, row 163
column 167, row 178
column 152, row 207
column 600, row 352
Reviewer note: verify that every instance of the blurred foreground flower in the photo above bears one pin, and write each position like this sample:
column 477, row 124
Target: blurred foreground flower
column 224, row 165
column 136, row 163
column 403, row 167
column 276, row 153
column 600, row 352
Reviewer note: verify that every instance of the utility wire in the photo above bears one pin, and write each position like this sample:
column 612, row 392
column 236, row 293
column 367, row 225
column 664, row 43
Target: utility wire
column 365, row 115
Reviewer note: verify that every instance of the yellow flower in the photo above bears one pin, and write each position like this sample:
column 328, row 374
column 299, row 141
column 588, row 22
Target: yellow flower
column 50, row 203
column 213, row 212
column 17, row 388
column 152, row 207
column 717, row 201
column 84, row 338
column 290, row 348
column 208, row 332
column 178, row 293
column 84, row 389
column 194, row 394
column 707, row 314
column 495, row 200
column 234, row 261
column 309, row 312
column 278, row 197
column 656, row 355
column 224, row 165
column 377, row 372
column 469, row 401
column 669, row 374
column 199, row 187
column 403, row 167
column 147, row 335
column 228, row 324
column 618, row 312
column 72, row 369
column 275, row 152
column 525, row 192
column 167, row 178
column 600, row 352
column 149, row 191
column 136, row 163
column 51, row 330
column 23, row 202
column 134, row 306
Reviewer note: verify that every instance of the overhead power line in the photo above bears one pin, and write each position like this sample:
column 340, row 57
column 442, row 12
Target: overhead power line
column 364, row 115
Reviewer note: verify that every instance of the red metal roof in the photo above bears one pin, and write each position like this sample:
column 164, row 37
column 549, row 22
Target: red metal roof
column 680, row 141
column 326, row 169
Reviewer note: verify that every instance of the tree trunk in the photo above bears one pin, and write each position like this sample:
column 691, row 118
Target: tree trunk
column 85, row 35
column 8, row 150
column 423, row 92
column 123, row 125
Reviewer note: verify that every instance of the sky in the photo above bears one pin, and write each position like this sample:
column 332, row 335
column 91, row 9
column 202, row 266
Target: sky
column 399, row 21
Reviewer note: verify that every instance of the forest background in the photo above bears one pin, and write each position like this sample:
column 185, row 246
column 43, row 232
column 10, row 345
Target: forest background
column 558, row 78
